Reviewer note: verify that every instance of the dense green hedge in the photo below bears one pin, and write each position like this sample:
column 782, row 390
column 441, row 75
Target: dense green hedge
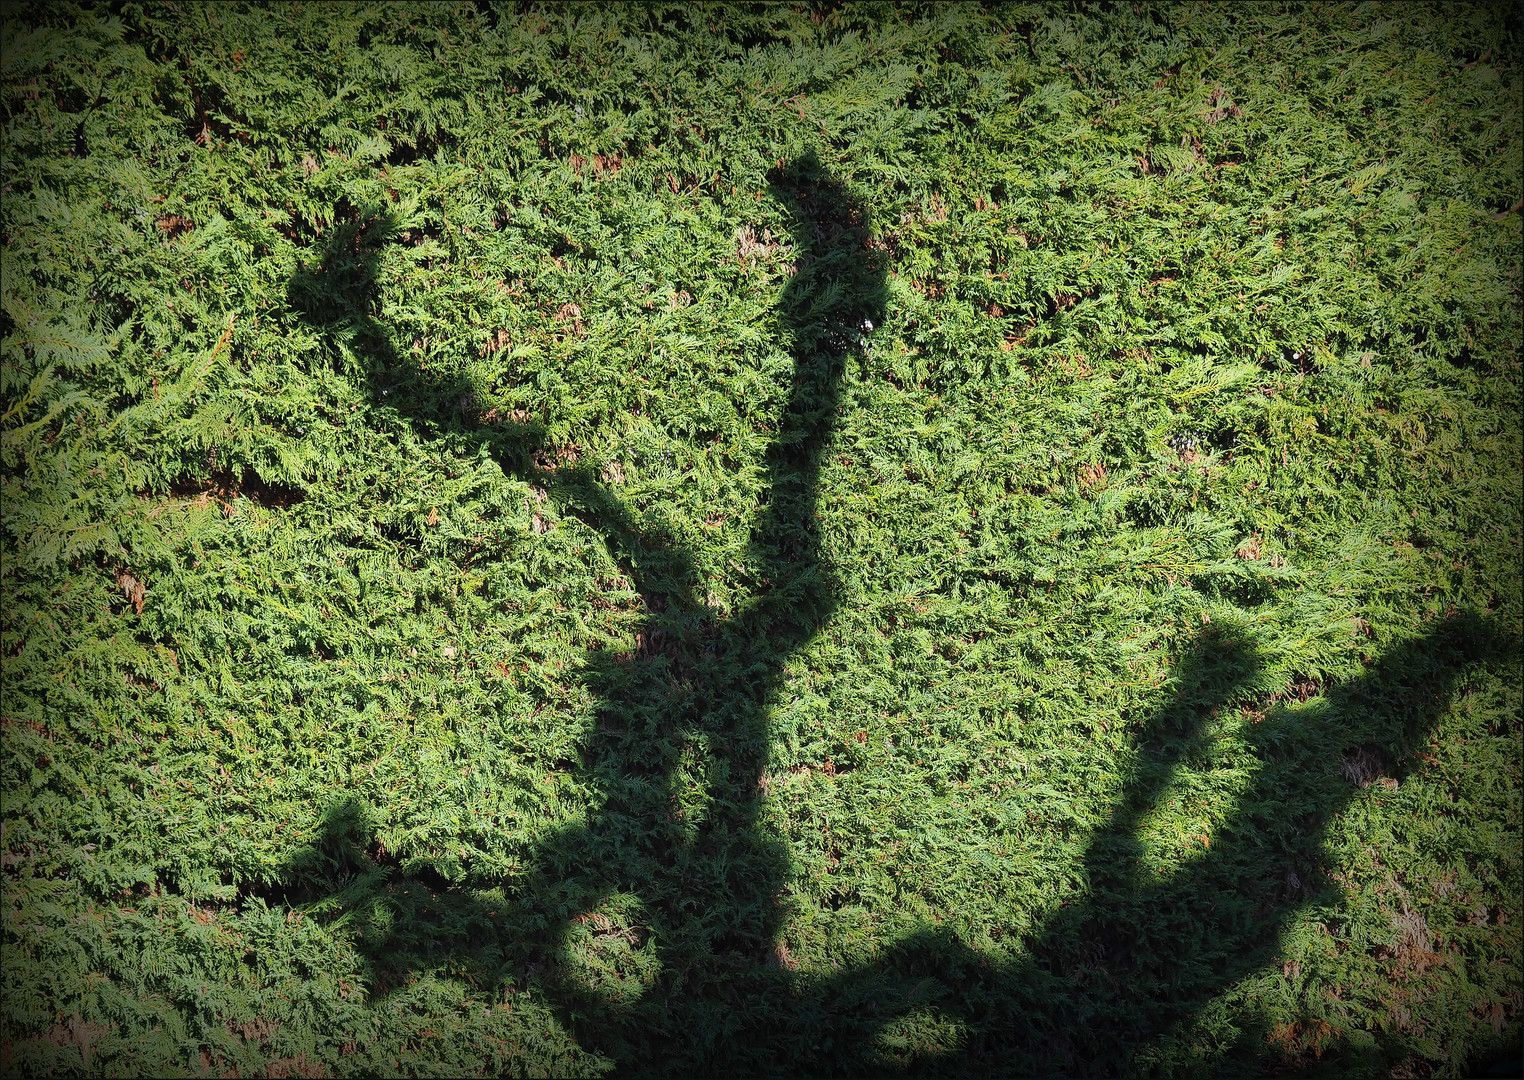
column 761, row 538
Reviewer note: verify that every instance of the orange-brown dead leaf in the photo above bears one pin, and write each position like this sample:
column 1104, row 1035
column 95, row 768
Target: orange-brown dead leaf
column 133, row 588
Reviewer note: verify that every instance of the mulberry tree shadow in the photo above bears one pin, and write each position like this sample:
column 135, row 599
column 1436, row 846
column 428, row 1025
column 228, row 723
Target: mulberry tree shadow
column 687, row 910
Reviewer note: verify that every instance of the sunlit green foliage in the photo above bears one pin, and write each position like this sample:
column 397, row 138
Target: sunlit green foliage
column 1159, row 709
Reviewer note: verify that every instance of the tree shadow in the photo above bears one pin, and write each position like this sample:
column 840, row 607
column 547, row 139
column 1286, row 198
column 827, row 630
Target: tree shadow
column 684, row 913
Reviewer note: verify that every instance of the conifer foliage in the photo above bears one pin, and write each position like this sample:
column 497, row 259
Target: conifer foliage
column 760, row 539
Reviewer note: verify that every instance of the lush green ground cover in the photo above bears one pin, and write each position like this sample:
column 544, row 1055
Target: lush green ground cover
column 479, row 600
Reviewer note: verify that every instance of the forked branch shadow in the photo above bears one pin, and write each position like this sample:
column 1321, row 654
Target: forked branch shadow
column 1143, row 951
column 697, row 682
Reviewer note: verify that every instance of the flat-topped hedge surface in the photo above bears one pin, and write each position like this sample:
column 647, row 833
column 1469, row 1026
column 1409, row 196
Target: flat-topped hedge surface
column 761, row 539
